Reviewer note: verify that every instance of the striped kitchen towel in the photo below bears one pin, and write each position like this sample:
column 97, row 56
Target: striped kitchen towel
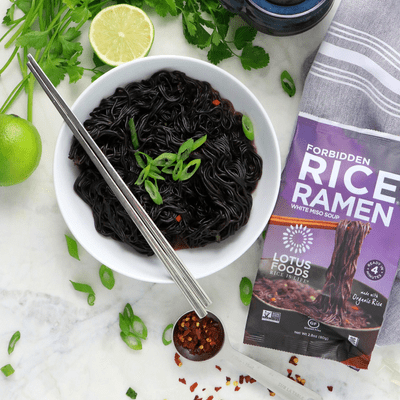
column 354, row 83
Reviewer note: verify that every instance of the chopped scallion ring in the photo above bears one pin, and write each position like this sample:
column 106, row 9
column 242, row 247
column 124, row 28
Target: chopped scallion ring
column 199, row 142
column 177, row 170
column 190, row 169
column 185, row 150
column 7, row 370
column 246, row 290
column 134, row 137
column 83, row 287
column 14, row 339
column 248, row 128
column 153, row 192
column 142, row 159
column 143, row 175
column 72, row 247
column 165, row 160
column 106, row 277
column 164, row 339
column 131, row 340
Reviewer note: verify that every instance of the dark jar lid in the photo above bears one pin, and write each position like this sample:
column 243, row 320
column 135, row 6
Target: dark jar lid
column 280, row 17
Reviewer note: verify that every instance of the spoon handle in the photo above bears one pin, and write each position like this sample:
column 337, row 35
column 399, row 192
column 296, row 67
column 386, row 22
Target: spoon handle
column 278, row 383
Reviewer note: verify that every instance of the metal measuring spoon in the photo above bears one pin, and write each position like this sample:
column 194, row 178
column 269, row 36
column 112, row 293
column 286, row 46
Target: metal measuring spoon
column 202, row 339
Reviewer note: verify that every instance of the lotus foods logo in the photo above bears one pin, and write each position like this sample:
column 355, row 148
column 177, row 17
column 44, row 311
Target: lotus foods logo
column 298, row 239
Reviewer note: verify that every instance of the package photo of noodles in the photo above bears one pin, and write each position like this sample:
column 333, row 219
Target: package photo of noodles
column 331, row 248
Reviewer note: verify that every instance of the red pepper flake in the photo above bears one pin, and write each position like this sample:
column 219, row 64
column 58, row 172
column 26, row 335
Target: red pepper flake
column 178, row 218
column 294, row 360
column 241, row 379
column 182, row 380
column 252, row 380
column 330, row 388
column 197, row 397
column 247, row 378
column 177, row 359
column 218, row 388
column 193, row 387
column 237, row 388
column 216, row 102
column 210, row 397
column 218, row 367
column 271, row 393
column 228, row 380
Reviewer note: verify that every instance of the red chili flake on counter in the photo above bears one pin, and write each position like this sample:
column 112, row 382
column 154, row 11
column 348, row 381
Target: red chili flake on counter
column 330, row 388
column 228, row 380
column 216, row 102
column 193, row 387
column 237, row 388
column 182, row 380
column 271, row 393
column 177, row 359
column 294, row 360
column 218, row 367
column 210, row 397
column 197, row 397
column 252, row 380
column 218, row 388
column 241, row 379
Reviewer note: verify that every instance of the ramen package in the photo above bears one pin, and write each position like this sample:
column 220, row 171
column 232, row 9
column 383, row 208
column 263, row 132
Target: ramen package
column 331, row 249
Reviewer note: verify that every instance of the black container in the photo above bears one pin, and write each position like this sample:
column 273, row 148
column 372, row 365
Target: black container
column 280, row 17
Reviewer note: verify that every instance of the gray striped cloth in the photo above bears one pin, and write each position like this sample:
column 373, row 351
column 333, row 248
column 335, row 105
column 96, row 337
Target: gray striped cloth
column 354, row 80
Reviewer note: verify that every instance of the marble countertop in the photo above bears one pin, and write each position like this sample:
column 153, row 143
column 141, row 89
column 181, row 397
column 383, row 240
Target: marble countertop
column 69, row 350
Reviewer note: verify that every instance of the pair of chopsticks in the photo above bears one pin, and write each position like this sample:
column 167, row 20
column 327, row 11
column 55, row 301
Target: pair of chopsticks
column 161, row 247
column 309, row 223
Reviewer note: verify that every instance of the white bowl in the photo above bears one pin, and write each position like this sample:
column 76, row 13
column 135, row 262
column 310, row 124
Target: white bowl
column 201, row 261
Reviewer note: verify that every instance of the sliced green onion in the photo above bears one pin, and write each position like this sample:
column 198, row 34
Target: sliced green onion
column 168, row 169
column 14, row 339
column 7, row 370
column 189, row 169
column 143, row 175
column 128, row 312
column 165, row 160
column 287, row 83
column 248, row 128
column 153, row 192
column 106, row 277
column 155, row 175
column 131, row 340
column 138, row 327
column 185, row 150
column 177, row 170
column 246, row 290
column 124, row 324
column 134, row 137
column 164, row 339
column 142, row 159
column 72, row 247
column 83, row 287
column 199, row 142
column 131, row 393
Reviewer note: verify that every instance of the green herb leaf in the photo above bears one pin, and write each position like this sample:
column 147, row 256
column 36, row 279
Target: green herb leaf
column 166, row 330
column 243, row 36
column 254, row 57
column 246, row 291
column 106, row 277
column 14, row 339
column 34, row 39
column 83, row 287
column 287, row 83
column 72, row 247
column 7, row 370
column 131, row 393
column 153, row 192
column 220, row 52
column 134, row 137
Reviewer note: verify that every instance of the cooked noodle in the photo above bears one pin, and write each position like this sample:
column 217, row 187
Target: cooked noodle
column 168, row 109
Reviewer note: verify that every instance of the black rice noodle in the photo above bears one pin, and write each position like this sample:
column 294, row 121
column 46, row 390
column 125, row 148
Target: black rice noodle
column 168, row 109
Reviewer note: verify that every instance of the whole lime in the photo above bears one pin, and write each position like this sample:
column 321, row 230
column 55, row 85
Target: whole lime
column 20, row 149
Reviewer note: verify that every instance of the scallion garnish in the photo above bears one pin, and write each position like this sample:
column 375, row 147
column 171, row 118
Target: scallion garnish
column 7, row 370
column 14, row 339
column 153, row 192
column 165, row 160
column 287, row 83
column 143, row 175
column 189, row 170
column 164, row 339
column 134, row 137
column 72, row 247
column 185, row 150
column 199, row 142
column 83, row 287
column 246, row 290
column 177, row 170
column 248, row 128
column 133, row 329
column 131, row 393
column 106, row 277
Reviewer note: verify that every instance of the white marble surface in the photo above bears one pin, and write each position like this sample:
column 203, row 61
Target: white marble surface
column 69, row 350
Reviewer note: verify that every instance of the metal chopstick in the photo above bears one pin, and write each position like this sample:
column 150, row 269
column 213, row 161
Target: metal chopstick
column 161, row 247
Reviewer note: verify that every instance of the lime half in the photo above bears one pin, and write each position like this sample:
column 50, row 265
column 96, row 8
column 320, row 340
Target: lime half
column 121, row 33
